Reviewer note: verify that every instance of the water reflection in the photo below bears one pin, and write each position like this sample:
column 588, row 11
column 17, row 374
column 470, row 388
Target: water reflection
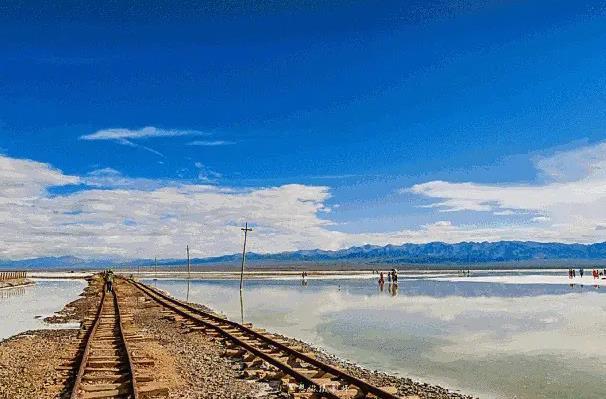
column 242, row 306
column 496, row 339
column 23, row 308
column 11, row 292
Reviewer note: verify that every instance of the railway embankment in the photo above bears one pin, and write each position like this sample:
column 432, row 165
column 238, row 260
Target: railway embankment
column 181, row 350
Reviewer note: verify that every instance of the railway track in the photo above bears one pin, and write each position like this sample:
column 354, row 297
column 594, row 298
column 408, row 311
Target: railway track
column 303, row 375
column 106, row 367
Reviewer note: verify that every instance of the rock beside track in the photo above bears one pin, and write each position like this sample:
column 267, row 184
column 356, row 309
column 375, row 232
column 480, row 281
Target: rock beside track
column 199, row 361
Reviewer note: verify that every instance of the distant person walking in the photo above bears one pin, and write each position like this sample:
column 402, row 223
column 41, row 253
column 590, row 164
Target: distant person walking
column 381, row 279
column 581, row 271
column 109, row 281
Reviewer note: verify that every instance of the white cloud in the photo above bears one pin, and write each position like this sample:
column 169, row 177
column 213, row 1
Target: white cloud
column 205, row 174
column 211, row 143
column 134, row 217
column 113, row 215
column 24, row 179
column 575, row 164
column 126, row 136
column 568, row 207
column 146, row 132
column 111, row 178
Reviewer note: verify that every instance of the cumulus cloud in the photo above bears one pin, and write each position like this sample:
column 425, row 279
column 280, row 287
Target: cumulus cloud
column 569, row 206
column 111, row 214
column 23, row 179
column 119, row 216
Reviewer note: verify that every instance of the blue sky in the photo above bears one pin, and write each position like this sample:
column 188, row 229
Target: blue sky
column 364, row 103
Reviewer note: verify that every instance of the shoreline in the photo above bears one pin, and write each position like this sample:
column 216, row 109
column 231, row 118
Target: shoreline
column 6, row 285
column 409, row 385
column 169, row 338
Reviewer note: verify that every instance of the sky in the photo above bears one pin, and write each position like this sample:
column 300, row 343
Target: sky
column 132, row 129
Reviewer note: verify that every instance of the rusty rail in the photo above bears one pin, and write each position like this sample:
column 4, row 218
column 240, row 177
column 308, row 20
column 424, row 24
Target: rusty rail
column 266, row 348
column 129, row 353
column 87, row 347
column 79, row 389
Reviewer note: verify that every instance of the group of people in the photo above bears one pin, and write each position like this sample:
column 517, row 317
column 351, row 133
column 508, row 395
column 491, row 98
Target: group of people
column 596, row 273
column 392, row 277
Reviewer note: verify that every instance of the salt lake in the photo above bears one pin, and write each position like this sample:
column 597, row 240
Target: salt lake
column 495, row 334
column 24, row 308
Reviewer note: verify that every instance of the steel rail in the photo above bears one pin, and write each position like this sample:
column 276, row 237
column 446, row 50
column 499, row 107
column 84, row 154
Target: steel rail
column 90, row 338
column 174, row 304
column 131, row 363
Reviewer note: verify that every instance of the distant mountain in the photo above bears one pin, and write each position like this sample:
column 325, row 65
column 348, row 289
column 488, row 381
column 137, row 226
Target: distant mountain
column 430, row 253
column 435, row 252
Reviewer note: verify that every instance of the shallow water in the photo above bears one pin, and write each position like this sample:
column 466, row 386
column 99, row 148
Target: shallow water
column 495, row 340
column 23, row 308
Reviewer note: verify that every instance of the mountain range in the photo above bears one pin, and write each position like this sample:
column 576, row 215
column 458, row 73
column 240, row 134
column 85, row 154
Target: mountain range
column 416, row 254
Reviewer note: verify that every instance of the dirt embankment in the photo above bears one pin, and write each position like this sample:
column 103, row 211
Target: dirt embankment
column 35, row 364
column 41, row 364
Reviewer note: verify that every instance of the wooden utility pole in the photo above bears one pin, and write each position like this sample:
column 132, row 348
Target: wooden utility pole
column 188, row 265
column 245, row 230
column 156, row 267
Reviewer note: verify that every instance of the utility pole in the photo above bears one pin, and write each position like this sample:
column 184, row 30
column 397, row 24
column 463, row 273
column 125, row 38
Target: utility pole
column 156, row 267
column 188, row 265
column 246, row 229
